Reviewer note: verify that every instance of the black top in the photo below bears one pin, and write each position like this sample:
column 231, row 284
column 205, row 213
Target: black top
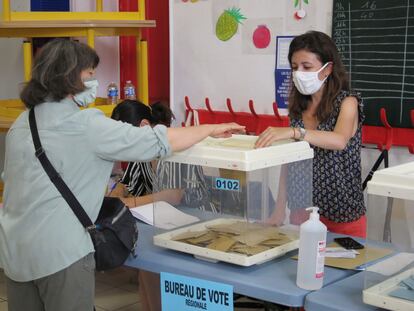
column 337, row 187
column 140, row 179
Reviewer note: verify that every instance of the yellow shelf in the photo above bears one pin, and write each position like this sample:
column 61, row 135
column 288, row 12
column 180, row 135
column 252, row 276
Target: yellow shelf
column 74, row 16
column 74, row 24
column 79, row 23
column 74, row 28
column 10, row 109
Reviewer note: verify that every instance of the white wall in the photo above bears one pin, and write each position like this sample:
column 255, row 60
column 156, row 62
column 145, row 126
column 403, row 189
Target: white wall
column 202, row 65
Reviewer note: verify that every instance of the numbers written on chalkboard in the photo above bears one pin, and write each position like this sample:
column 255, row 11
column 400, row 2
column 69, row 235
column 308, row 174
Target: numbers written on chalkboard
column 227, row 184
column 367, row 15
column 339, row 6
column 371, row 5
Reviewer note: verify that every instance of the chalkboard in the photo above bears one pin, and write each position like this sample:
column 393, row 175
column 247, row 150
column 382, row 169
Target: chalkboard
column 376, row 41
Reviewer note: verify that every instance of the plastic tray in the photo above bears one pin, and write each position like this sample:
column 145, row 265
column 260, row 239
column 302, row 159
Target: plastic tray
column 377, row 295
column 165, row 240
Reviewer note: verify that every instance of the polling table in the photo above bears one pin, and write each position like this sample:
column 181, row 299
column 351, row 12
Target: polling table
column 273, row 281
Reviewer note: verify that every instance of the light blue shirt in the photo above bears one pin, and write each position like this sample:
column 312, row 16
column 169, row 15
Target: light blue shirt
column 39, row 234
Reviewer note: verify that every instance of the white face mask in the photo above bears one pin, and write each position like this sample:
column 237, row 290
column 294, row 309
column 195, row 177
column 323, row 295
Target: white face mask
column 307, row 82
column 88, row 96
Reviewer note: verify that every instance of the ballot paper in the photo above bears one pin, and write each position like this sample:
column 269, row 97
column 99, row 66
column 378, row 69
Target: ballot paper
column 340, row 252
column 167, row 216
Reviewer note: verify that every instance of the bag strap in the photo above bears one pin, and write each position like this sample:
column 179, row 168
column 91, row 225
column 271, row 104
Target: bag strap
column 189, row 118
column 55, row 177
column 196, row 119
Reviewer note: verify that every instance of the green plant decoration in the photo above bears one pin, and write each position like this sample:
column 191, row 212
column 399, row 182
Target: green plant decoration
column 297, row 2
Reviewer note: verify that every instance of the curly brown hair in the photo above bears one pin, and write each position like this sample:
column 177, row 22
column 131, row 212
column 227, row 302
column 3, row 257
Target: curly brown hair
column 322, row 45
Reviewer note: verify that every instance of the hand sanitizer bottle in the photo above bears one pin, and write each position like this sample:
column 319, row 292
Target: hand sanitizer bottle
column 312, row 244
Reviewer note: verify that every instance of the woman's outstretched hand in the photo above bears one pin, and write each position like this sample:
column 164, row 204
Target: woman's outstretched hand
column 272, row 134
column 225, row 130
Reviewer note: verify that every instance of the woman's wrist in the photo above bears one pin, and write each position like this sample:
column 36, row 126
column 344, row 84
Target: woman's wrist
column 206, row 129
column 294, row 133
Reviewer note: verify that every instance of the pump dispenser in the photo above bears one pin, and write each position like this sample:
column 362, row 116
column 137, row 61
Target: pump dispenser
column 312, row 244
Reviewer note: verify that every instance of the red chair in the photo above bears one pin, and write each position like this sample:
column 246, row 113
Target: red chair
column 404, row 136
column 382, row 136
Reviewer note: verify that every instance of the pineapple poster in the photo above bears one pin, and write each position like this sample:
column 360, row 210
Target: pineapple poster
column 227, row 19
column 228, row 23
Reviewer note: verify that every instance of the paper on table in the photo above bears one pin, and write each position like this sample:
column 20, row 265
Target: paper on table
column 340, row 252
column 392, row 264
column 168, row 217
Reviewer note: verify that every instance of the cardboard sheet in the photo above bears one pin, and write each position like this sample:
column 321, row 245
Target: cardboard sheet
column 366, row 255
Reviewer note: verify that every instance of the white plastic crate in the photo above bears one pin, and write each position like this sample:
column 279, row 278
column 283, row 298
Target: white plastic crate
column 238, row 153
column 240, row 182
column 391, row 212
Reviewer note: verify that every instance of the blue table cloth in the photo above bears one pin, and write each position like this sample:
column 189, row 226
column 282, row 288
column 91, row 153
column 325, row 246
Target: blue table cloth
column 273, row 281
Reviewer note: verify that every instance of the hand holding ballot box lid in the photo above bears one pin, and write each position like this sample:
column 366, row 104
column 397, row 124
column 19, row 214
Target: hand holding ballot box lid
column 233, row 191
column 391, row 202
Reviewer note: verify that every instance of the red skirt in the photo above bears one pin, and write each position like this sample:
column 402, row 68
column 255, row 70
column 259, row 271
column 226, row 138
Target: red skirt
column 357, row 228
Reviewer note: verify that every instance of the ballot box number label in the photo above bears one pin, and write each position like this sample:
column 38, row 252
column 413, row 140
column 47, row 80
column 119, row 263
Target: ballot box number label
column 227, row 184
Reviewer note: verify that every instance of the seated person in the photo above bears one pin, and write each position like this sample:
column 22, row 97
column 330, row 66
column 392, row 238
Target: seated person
column 136, row 184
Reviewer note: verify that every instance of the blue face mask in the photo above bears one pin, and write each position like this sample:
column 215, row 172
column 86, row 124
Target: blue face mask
column 88, row 96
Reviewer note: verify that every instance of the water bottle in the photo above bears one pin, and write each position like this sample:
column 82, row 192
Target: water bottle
column 129, row 90
column 112, row 94
column 312, row 245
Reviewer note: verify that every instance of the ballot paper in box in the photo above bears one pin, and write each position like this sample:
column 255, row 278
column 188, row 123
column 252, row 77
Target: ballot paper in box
column 389, row 283
column 237, row 193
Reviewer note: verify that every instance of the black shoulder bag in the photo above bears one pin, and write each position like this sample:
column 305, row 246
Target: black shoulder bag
column 115, row 232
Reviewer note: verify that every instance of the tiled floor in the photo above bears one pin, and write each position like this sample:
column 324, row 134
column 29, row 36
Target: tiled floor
column 115, row 290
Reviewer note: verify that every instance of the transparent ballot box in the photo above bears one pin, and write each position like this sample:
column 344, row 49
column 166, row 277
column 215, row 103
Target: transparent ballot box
column 389, row 283
column 220, row 199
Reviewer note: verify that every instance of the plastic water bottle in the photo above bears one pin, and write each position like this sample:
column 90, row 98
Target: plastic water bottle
column 129, row 90
column 312, row 245
column 112, row 94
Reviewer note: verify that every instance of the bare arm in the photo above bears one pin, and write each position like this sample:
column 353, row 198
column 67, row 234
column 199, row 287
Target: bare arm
column 184, row 137
column 172, row 196
column 345, row 128
column 279, row 213
column 338, row 139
